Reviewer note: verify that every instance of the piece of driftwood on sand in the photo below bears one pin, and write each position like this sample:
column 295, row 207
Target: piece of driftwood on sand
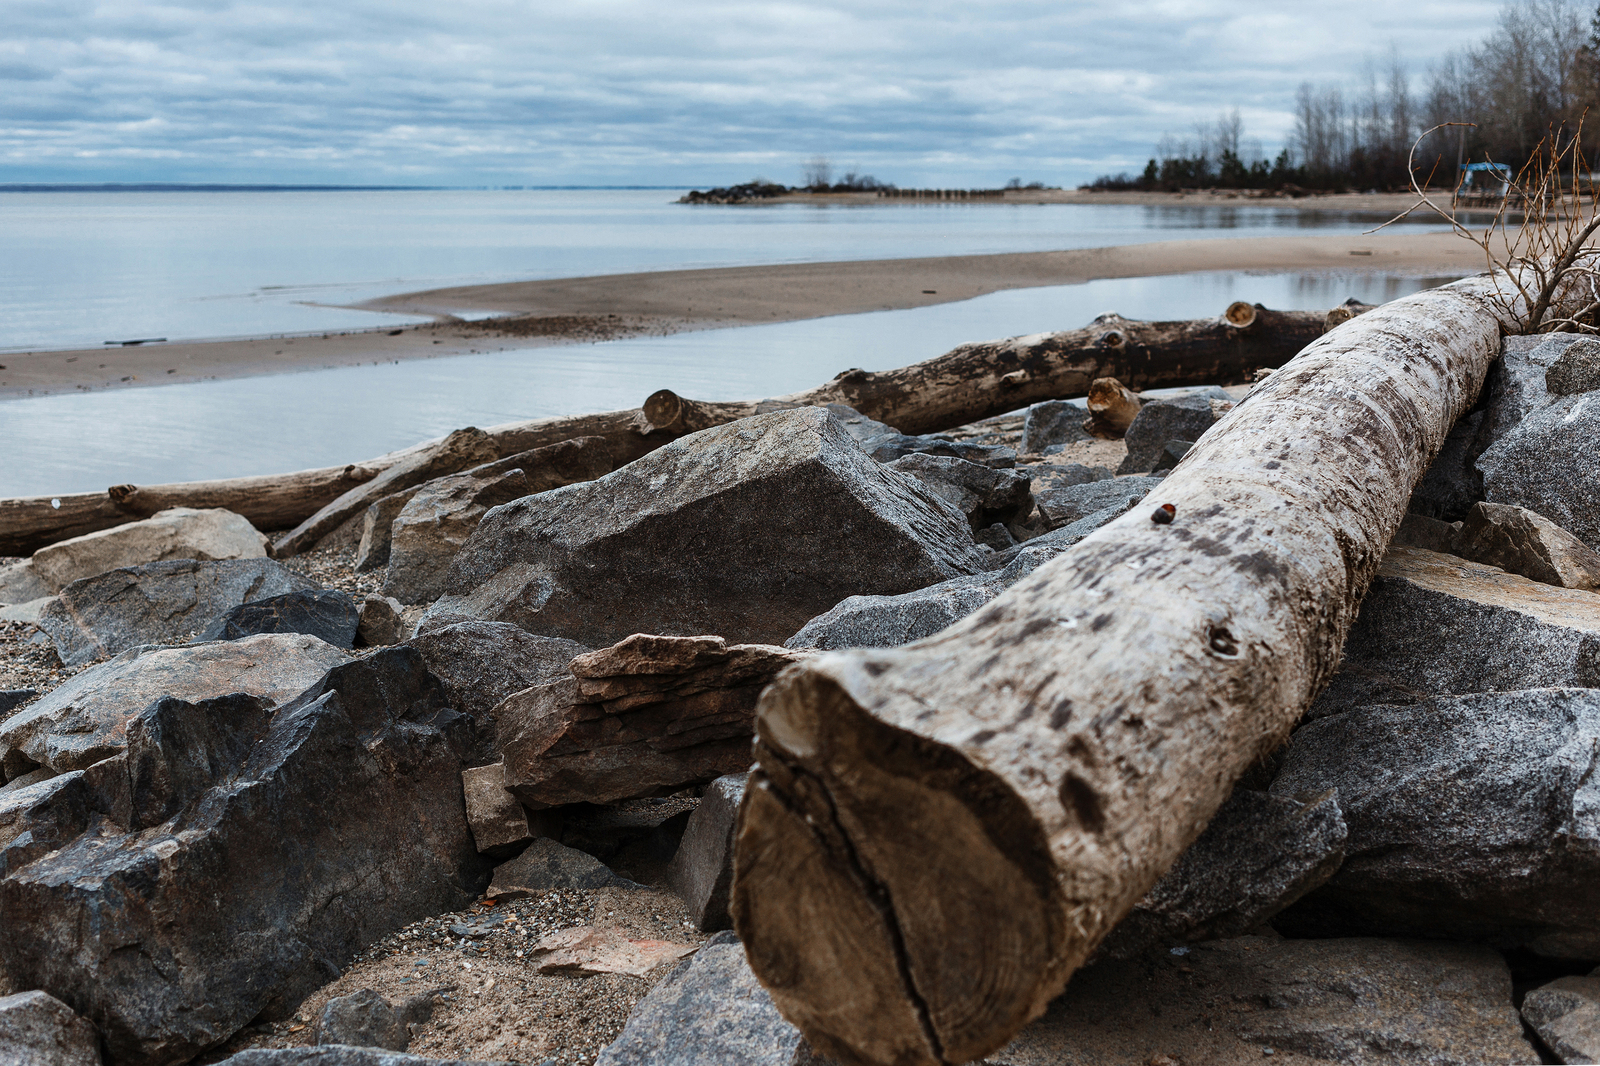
column 938, row 835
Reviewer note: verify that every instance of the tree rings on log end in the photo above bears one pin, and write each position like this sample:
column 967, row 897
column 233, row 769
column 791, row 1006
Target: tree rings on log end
column 1240, row 315
column 896, row 900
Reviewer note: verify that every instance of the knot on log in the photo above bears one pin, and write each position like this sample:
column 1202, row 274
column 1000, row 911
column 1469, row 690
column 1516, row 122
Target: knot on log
column 1240, row 315
column 853, row 375
column 1015, row 378
column 122, row 495
column 1113, row 338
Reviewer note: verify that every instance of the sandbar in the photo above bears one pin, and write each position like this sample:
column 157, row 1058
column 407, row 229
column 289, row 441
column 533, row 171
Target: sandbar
column 579, row 310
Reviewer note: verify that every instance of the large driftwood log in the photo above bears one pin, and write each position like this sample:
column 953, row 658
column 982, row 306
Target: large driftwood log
column 938, row 835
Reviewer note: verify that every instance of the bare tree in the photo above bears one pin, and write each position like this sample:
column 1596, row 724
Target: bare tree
column 818, row 172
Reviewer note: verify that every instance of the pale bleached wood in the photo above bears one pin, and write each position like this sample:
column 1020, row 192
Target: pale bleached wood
column 937, row 835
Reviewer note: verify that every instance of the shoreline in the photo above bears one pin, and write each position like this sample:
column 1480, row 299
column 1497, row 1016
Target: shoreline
column 563, row 311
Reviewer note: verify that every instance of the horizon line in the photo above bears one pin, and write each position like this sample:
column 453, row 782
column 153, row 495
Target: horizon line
column 209, row 186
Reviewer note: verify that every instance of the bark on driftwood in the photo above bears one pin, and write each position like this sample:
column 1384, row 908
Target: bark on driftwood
column 938, row 835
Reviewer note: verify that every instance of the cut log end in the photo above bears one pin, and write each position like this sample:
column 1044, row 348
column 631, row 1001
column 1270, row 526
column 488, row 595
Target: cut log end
column 661, row 409
column 894, row 898
column 1240, row 315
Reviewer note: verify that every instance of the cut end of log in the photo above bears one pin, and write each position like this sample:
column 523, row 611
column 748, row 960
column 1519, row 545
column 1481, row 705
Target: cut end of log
column 895, row 899
column 1240, row 315
column 1112, row 407
column 1113, row 338
column 661, row 410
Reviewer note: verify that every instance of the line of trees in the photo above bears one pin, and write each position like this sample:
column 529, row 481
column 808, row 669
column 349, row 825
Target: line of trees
column 1536, row 74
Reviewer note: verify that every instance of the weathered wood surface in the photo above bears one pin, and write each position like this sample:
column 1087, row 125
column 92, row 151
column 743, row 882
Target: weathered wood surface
column 937, row 835
column 1112, row 408
column 971, row 382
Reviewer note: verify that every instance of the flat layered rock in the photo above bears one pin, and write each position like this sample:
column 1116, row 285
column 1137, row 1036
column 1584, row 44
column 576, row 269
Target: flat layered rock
column 233, row 859
column 590, row 950
column 176, row 533
column 745, row 530
column 647, row 716
column 97, row 617
column 1470, row 817
column 1521, row 542
column 86, row 718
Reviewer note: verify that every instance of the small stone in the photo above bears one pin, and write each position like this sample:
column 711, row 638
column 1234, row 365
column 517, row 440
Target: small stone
column 1053, row 423
column 499, row 822
column 379, row 624
column 587, row 950
column 362, row 1019
column 702, row 870
column 546, row 865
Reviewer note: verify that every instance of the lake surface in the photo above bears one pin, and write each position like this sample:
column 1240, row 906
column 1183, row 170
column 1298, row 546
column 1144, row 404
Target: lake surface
column 87, row 441
column 79, row 269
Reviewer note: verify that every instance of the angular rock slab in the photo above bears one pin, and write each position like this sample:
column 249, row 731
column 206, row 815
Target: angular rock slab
column 708, row 1012
column 1436, row 624
column 1066, row 504
column 362, row 1019
column 745, row 530
column 589, row 950
column 647, row 716
column 1260, row 854
column 982, row 493
column 1185, row 417
column 85, row 719
column 1053, row 422
column 888, row 447
column 37, row 1029
column 1226, row 1002
column 547, row 867
column 1576, row 370
column 1550, row 464
column 176, row 533
column 227, row 864
column 1566, row 1015
column 1470, row 817
column 499, row 822
column 701, row 872
column 100, row 616
column 1521, row 542
column 327, row 614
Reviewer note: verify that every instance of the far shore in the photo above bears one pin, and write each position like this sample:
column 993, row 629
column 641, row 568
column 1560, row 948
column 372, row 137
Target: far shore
column 578, row 310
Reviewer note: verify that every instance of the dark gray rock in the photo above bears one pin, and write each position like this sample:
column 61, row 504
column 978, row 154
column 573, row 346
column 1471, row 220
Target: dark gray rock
column 858, row 425
column 1548, row 463
column 1067, row 504
column 228, row 863
column 1065, row 475
column 1172, row 454
column 744, row 530
column 1515, row 386
column 1470, row 818
column 1053, row 422
column 1435, row 624
column 337, row 1055
column 1576, row 370
column 1185, row 417
column 327, row 614
column 984, row 494
column 97, row 617
column 702, row 870
column 36, row 1029
column 1432, row 534
column 1253, row 1000
column 85, row 719
column 380, row 623
column 1566, row 1015
column 547, row 866
column 425, row 536
column 1521, row 542
column 362, row 1019
column 1449, row 488
column 890, row 621
column 1260, row 854
column 709, row 1011
column 12, row 698
column 888, row 447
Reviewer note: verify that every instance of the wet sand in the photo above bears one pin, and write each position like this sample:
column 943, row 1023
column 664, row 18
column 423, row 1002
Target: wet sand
column 576, row 310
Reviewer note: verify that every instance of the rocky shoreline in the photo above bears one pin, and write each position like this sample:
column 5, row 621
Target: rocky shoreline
column 458, row 774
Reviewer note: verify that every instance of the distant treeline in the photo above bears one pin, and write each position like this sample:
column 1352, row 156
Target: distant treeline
column 1534, row 76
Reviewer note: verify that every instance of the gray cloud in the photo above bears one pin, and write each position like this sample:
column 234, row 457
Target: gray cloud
column 621, row 91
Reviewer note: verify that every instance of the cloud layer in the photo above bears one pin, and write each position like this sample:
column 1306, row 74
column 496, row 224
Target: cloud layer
column 695, row 92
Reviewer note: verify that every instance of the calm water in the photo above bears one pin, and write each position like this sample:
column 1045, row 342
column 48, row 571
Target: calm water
column 79, row 269
column 319, row 418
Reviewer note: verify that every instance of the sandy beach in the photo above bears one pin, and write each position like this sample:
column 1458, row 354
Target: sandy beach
column 578, row 310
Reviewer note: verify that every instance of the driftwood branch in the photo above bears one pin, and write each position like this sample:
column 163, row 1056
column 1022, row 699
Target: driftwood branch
column 966, row 384
column 937, row 835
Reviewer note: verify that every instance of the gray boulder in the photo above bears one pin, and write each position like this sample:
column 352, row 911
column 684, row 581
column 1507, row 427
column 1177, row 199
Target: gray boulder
column 710, row 1011
column 1185, row 417
column 1452, row 484
column 1432, row 534
column 1516, row 385
column 380, row 622
column 85, row 719
column 887, row 447
column 37, row 1029
column 1566, row 1015
column 20, row 583
column 176, row 533
column 1521, row 542
column 1065, row 504
column 1259, row 854
column 362, row 1019
column 499, row 822
column 744, row 530
column 701, row 872
column 1436, row 624
column 327, row 614
column 1253, row 1000
column 984, row 494
column 1550, row 464
column 546, row 866
column 232, row 860
column 890, row 621
column 1065, row 475
column 1576, row 370
column 1053, row 422
column 341, row 1055
column 100, row 616
column 1470, row 818
column 12, row 698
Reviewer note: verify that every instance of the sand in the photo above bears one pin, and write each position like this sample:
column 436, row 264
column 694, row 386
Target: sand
column 575, row 310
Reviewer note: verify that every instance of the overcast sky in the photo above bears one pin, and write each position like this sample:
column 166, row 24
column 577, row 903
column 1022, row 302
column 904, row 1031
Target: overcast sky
column 692, row 92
